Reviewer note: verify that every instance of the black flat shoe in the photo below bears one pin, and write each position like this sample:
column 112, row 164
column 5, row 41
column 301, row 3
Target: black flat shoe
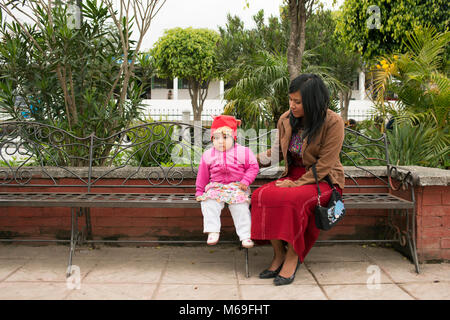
column 281, row 281
column 267, row 274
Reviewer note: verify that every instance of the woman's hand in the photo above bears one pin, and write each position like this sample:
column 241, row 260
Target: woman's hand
column 198, row 199
column 286, row 183
column 243, row 186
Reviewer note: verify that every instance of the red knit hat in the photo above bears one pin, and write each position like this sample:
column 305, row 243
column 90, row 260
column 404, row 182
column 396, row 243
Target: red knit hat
column 225, row 121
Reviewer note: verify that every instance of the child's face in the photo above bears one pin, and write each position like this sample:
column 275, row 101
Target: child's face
column 222, row 141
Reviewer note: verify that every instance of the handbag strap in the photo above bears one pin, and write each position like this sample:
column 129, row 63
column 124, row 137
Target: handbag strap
column 317, row 182
column 327, row 179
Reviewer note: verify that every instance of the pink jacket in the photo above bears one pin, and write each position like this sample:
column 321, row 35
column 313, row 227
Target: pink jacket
column 238, row 164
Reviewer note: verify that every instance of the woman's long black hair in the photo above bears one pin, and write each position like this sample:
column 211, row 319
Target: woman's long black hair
column 315, row 100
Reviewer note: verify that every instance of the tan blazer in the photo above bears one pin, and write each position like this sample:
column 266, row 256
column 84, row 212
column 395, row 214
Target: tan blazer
column 323, row 151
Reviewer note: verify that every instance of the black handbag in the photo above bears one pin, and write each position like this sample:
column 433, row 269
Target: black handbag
column 328, row 217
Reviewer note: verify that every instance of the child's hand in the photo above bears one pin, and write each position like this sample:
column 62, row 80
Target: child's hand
column 243, row 186
column 285, row 183
column 198, row 199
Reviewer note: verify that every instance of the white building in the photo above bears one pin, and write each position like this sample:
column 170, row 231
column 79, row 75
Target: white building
column 360, row 106
column 168, row 99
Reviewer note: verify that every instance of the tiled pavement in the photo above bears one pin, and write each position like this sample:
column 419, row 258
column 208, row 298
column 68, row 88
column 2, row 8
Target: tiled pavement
column 207, row 273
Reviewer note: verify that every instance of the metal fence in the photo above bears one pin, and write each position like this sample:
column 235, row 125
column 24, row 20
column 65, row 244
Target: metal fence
column 180, row 113
column 174, row 114
column 359, row 115
column 157, row 115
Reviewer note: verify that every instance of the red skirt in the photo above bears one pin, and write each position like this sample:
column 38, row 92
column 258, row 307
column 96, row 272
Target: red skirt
column 288, row 213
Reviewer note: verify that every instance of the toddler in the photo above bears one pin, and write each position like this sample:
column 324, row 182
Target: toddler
column 224, row 175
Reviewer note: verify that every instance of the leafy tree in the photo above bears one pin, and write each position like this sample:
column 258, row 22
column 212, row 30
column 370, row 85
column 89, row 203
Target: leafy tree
column 418, row 77
column 234, row 44
column 78, row 78
column 260, row 97
column 373, row 33
column 330, row 52
column 320, row 37
column 298, row 13
column 237, row 43
column 420, row 80
column 244, row 49
column 188, row 54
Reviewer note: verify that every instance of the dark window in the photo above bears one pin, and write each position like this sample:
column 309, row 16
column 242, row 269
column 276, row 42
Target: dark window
column 183, row 84
column 229, row 85
column 158, row 83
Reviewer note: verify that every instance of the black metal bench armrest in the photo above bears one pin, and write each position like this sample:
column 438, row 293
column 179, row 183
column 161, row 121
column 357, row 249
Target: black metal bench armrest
column 404, row 177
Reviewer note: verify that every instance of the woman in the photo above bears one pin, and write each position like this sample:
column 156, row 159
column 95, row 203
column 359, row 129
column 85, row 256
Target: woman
column 283, row 211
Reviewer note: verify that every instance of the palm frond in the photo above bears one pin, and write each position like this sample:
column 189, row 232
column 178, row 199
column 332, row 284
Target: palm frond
column 261, row 90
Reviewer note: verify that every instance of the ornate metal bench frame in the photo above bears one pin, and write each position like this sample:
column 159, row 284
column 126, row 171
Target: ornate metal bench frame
column 30, row 151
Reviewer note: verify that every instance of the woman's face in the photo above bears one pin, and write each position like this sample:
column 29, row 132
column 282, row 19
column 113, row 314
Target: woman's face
column 222, row 142
column 295, row 104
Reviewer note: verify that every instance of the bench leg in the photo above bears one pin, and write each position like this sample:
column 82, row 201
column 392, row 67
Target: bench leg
column 247, row 271
column 413, row 250
column 86, row 231
column 411, row 236
column 87, row 213
column 405, row 236
column 72, row 242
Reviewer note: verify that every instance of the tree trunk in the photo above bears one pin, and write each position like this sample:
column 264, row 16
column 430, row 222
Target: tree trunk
column 296, row 45
column 194, row 88
column 198, row 97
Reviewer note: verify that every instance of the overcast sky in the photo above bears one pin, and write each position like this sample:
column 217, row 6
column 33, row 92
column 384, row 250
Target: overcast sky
column 209, row 14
